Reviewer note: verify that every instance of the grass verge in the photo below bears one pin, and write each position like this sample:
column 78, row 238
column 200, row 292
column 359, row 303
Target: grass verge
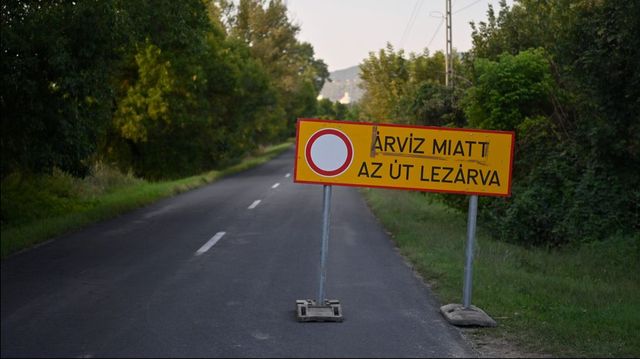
column 47, row 207
column 582, row 302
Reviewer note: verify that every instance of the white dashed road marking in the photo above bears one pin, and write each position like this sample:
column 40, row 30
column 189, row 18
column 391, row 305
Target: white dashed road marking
column 254, row 204
column 210, row 243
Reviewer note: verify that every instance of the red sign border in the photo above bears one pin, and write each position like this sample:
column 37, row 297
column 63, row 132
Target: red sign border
column 336, row 122
column 343, row 137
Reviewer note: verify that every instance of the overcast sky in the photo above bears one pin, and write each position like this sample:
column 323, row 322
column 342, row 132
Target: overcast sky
column 343, row 32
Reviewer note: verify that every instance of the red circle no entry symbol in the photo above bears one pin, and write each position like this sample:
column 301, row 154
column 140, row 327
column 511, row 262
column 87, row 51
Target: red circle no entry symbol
column 329, row 152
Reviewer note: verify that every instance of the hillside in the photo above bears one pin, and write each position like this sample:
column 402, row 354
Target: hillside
column 343, row 81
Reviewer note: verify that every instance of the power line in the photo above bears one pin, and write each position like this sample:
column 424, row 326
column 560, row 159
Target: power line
column 436, row 33
column 410, row 22
column 467, row 6
column 412, row 19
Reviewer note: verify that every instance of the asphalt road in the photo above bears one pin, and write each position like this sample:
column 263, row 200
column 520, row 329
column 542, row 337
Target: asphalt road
column 136, row 285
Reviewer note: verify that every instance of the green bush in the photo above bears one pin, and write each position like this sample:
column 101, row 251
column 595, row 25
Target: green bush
column 25, row 198
column 28, row 198
column 563, row 190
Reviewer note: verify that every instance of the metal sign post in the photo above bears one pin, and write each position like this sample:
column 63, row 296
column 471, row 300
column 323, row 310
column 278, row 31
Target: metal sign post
column 471, row 237
column 326, row 218
column 322, row 309
column 467, row 314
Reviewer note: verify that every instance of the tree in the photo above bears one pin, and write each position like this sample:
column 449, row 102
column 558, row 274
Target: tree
column 331, row 110
column 384, row 78
column 573, row 103
column 57, row 59
column 410, row 90
column 171, row 89
column 191, row 99
column 297, row 75
column 340, row 110
column 434, row 104
column 510, row 90
column 325, row 109
column 158, row 87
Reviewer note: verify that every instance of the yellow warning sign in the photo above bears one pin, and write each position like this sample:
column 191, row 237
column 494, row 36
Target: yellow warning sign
column 435, row 159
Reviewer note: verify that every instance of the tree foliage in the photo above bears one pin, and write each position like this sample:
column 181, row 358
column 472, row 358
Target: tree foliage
column 384, row 77
column 56, row 61
column 509, row 91
column 409, row 90
column 325, row 109
column 573, row 103
column 164, row 88
column 297, row 75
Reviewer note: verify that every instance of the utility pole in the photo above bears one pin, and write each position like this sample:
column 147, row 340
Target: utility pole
column 448, row 60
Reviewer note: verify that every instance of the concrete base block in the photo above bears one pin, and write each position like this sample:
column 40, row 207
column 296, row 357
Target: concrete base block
column 308, row 311
column 457, row 314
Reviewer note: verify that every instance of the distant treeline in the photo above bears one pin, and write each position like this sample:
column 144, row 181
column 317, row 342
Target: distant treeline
column 565, row 76
column 162, row 88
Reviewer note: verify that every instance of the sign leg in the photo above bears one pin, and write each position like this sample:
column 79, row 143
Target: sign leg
column 326, row 209
column 466, row 314
column 322, row 310
column 471, row 237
